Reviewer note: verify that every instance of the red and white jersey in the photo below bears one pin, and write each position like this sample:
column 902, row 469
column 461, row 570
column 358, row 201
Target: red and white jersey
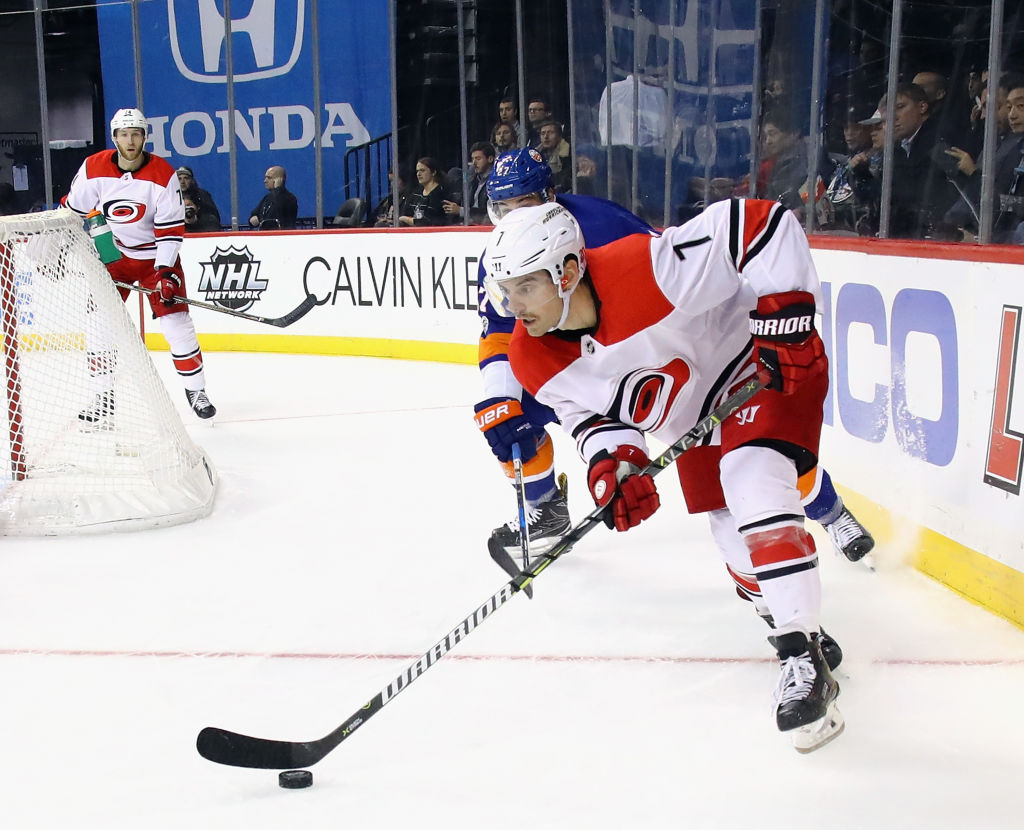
column 143, row 208
column 673, row 325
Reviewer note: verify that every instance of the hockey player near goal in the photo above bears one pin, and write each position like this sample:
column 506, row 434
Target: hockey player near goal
column 508, row 414
column 648, row 335
column 139, row 195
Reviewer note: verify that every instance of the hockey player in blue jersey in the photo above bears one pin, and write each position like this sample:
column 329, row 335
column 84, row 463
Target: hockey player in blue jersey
column 508, row 414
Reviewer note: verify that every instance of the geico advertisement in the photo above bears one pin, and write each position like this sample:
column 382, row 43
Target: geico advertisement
column 925, row 403
column 406, row 286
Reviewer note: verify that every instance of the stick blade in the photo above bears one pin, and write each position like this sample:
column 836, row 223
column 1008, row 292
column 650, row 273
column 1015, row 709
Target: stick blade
column 504, row 560
column 234, row 750
column 297, row 313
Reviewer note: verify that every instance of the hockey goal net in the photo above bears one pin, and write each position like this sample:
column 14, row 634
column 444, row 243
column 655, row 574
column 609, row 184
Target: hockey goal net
column 93, row 442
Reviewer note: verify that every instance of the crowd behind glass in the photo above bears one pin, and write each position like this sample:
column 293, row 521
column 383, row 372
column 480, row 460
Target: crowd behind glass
column 789, row 101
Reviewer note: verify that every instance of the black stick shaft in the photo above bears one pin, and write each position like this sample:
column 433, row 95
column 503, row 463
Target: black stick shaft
column 237, row 750
column 281, row 322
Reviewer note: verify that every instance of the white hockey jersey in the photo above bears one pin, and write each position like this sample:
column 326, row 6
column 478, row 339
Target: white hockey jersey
column 673, row 325
column 143, row 208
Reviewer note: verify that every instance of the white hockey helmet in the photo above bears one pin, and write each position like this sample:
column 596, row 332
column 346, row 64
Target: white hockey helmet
column 529, row 239
column 126, row 119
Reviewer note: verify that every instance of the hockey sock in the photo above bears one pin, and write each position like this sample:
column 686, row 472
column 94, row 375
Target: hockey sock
column 541, row 491
column 785, row 566
column 538, row 473
column 180, row 332
column 826, row 505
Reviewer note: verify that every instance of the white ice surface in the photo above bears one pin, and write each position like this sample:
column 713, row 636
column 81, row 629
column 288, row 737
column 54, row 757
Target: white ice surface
column 348, row 537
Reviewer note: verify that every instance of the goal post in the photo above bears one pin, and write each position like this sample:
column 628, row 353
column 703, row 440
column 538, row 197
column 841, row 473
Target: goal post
column 68, row 342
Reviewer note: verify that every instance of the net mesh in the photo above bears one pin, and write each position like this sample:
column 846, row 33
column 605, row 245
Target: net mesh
column 93, row 441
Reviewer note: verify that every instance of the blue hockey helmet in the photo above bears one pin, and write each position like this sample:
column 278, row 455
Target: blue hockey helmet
column 518, row 173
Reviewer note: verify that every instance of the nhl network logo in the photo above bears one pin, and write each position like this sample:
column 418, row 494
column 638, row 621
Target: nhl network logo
column 272, row 31
column 230, row 279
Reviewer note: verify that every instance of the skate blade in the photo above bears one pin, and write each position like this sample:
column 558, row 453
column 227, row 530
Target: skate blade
column 815, row 735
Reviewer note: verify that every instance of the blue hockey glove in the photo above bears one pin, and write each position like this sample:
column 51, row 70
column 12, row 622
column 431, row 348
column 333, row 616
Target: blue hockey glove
column 503, row 424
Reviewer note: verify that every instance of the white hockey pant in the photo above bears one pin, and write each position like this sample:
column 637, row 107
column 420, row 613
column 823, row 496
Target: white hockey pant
column 760, row 536
column 180, row 332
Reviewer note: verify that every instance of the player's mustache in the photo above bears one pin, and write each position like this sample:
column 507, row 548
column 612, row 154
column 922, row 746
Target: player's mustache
column 549, row 300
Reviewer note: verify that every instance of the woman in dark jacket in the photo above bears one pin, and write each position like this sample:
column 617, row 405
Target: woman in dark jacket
column 425, row 205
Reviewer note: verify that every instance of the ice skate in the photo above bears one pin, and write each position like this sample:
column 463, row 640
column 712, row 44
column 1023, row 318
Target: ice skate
column 200, row 403
column 830, row 649
column 546, row 524
column 100, row 411
column 849, row 537
column 805, row 697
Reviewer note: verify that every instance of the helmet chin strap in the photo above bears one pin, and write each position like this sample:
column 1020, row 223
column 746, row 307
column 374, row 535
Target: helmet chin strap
column 565, row 314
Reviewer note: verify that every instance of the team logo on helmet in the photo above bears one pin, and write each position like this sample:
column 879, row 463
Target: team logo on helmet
column 504, row 164
column 535, row 155
column 126, row 119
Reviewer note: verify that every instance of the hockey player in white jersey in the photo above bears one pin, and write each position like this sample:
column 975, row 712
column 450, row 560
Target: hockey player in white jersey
column 520, row 179
column 139, row 195
column 648, row 335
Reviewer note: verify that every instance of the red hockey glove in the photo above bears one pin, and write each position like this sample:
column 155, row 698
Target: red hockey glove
column 167, row 282
column 615, row 482
column 503, row 424
column 785, row 342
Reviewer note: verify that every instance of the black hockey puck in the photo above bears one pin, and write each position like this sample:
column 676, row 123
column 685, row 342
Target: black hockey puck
column 295, row 779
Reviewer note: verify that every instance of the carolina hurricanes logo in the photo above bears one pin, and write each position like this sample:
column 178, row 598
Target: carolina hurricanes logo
column 124, row 211
column 645, row 397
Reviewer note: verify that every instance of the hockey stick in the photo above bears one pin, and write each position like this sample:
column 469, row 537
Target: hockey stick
column 524, row 528
column 296, row 313
column 501, row 557
column 234, row 749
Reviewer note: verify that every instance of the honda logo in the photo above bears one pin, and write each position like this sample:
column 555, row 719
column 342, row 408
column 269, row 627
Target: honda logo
column 272, row 30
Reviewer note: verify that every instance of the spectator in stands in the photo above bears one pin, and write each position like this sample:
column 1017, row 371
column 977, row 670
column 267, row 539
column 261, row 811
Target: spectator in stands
column 425, row 205
column 974, row 142
column 858, row 128
column 197, row 221
column 783, row 158
column 842, row 189
column 951, row 126
column 504, row 138
column 869, row 81
column 866, row 175
column 481, row 158
column 921, row 192
column 557, row 154
column 650, row 113
column 207, row 214
column 384, row 216
column 586, row 175
column 279, row 208
column 537, row 112
column 508, row 114
column 1008, row 210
